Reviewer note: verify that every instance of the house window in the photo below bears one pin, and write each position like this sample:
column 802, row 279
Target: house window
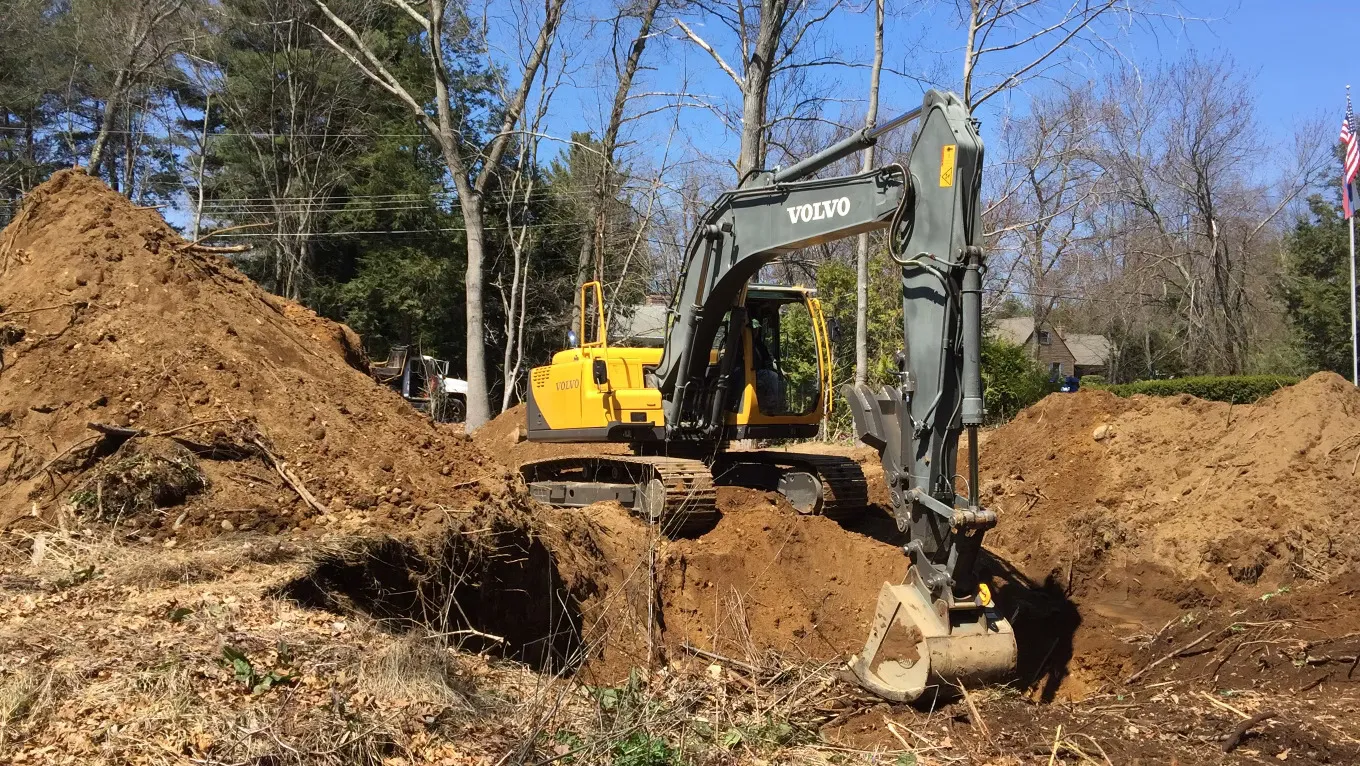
column 1055, row 372
column 1044, row 338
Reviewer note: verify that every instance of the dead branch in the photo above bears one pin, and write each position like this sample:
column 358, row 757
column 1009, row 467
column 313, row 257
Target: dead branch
column 1218, row 664
column 1235, row 738
column 1174, row 653
column 974, row 713
column 715, row 657
column 1313, row 684
column 132, row 433
column 287, row 475
column 216, row 248
column 195, row 244
column 78, row 445
column 18, row 312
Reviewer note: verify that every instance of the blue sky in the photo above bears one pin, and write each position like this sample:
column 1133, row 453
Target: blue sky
column 1300, row 53
column 1296, row 53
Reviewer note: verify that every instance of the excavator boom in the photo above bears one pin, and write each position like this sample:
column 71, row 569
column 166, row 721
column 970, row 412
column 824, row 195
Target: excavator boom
column 940, row 627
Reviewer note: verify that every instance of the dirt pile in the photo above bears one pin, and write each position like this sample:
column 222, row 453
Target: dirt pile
column 506, row 438
column 108, row 317
column 767, row 578
column 1239, row 496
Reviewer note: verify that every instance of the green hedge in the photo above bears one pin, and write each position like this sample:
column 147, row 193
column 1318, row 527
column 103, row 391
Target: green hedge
column 1238, row 389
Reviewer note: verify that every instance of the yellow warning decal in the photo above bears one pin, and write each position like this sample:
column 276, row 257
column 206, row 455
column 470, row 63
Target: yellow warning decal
column 947, row 165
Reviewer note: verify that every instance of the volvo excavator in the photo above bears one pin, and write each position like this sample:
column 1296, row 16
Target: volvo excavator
column 743, row 360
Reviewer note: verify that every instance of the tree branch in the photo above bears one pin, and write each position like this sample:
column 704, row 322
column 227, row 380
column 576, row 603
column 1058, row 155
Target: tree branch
column 699, row 41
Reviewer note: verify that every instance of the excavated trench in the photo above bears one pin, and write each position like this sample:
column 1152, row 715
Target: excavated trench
column 502, row 594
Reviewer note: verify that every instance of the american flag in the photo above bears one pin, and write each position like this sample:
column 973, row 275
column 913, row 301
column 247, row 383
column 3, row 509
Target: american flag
column 1352, row 161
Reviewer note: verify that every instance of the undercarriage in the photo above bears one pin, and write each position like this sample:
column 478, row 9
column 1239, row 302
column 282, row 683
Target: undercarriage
column 679, row 493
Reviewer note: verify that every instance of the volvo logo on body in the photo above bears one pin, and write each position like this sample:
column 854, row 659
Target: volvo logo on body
column 817, row 211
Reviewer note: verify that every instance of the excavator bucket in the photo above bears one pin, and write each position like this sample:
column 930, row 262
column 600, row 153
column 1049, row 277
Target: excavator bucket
column 916, row 646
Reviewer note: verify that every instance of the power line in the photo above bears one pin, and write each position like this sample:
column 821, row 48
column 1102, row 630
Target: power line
column 399, row 231
column 221, row 134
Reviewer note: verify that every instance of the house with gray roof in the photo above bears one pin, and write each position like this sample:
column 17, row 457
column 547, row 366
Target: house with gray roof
column 1061, row 353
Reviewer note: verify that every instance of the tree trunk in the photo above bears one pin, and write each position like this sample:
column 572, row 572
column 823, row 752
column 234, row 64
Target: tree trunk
column 101, row 139
column 129, row 155
column 592, row 247
column 442, row 126
column 759, row 68
column 202, row 159
column 478, row 402
column 862, row 255
column 969, row 56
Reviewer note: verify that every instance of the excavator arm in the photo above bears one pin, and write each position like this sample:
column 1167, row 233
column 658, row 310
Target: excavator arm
column 940, row 627
column 743, row 231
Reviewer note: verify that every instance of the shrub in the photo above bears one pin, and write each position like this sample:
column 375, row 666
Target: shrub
column 1012, row 380
column 1237, row 389
column 1093, row 380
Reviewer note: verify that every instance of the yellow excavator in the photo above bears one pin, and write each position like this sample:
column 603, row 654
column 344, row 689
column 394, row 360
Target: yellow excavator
column 743, row 360
column 771, row 372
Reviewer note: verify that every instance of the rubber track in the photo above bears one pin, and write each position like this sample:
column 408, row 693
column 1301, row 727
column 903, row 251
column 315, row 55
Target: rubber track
column 845, row 491
column 691, row 502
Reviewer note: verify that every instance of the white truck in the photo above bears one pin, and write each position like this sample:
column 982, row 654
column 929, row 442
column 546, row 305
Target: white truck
column 424, row 382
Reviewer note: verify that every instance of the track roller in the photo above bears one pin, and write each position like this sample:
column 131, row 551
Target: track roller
column 675, row 493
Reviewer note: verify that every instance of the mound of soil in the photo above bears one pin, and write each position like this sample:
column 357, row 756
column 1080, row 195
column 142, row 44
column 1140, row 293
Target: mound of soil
column 1127, row 525
column 109, row 317
column 767, row 578
column 506, row 438
column 1250, row 496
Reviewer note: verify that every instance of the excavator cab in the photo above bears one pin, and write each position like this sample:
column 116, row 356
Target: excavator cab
column 786, row 364
column 779, row 379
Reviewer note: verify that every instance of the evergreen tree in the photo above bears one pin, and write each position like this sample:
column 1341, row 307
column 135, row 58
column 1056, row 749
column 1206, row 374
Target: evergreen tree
column 1315, row 287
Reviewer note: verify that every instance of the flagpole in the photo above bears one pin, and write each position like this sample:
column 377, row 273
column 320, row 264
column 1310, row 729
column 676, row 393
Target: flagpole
column 1355, row 347
column 1348, row 188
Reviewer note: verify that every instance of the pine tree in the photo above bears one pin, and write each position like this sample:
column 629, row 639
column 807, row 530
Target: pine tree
column 1314, row 290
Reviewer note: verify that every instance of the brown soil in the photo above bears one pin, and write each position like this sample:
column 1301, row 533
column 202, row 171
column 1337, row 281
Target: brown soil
column 1193, row 553
column 1244, row 496
column 504, row 438
column 767, row 579
column 122, row 324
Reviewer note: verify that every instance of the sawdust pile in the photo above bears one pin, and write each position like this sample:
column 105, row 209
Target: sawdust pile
column 1257, row 495
column 107, row 316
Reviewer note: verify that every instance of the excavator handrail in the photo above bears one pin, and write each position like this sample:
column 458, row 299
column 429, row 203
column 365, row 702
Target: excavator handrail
column 823, row 341
column 602, row 337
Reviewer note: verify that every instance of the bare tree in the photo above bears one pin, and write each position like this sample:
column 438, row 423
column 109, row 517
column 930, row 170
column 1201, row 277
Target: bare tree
column 1038, row 31
column 593, row 244
column 129, row 40
column 472, row 167
column 1046, row 167
column 287, row 88
column 862, row 252
column 769, row 35
column 517, row 192
column 1187, row 194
